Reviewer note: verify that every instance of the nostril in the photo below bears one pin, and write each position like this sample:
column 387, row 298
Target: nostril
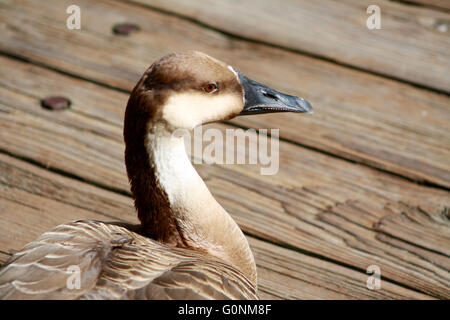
column 270, row 95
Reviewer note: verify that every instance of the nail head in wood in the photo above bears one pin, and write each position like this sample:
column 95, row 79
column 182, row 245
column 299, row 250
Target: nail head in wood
column 125, row 29
column 55, row 103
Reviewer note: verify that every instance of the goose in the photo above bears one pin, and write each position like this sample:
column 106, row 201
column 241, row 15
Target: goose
column 186, row 245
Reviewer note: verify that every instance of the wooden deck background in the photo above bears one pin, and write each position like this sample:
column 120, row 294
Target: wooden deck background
column 364, row 181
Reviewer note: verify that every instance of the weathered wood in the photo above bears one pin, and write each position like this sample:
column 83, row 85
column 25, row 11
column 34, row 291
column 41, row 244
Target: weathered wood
column 445, row 4
column 290, row 208
column 358, row 116
column 319, row 278
column 417, row 226
column 3, row 258
column 409, row 46
column 34, row 200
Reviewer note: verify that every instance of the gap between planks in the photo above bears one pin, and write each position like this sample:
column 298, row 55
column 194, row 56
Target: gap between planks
column 439, row 5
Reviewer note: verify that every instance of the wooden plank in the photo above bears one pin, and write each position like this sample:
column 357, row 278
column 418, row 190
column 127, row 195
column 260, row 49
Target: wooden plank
column 417, row 226
column 319, row 278
column 289, row 208
column 358, row 116
column 3, row 257
column 33, row 200
column 409, row 42
column 444, row 4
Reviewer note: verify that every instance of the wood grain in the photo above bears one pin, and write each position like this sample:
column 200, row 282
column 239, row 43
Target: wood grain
column 416, row 226
column 3, row 258
column 294, row 208
column 361, row 117
column 408, row 43
column 444, row 4
column 319, row 278
column 45, row 199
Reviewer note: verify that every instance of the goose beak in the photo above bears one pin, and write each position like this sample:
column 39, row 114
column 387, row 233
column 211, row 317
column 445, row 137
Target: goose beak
column 262, row 99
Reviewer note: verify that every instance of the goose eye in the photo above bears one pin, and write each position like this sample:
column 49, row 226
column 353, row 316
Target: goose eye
column 210, row 87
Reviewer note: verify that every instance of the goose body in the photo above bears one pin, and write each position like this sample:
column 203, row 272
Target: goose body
column 116, row 263
column 186, row 246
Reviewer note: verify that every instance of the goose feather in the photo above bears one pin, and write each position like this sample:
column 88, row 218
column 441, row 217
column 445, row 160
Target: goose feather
column 116, row 263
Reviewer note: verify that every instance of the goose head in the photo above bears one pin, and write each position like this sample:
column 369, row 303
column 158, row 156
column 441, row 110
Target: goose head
column 191, row 88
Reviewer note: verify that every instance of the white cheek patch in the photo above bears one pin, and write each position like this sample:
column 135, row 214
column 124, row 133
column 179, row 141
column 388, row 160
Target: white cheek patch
column 190, row 109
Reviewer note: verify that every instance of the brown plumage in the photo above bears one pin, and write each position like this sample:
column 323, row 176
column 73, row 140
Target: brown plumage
column 187, row 246
column 116, row 263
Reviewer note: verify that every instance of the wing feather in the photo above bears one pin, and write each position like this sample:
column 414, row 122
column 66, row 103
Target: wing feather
column 116, row 263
